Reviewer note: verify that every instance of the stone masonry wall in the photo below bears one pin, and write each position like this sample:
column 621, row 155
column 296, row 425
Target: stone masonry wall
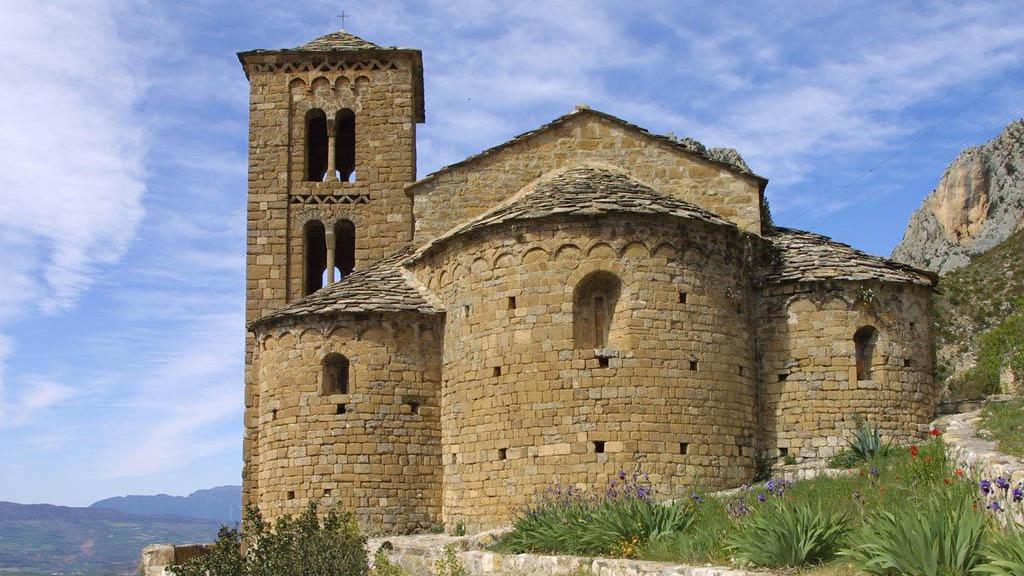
column 522, row 408
column 811, row 391
column 464, row 192
column 381, row 457
column 279, row 200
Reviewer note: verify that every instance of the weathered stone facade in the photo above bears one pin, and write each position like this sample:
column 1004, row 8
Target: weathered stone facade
column 585, row 298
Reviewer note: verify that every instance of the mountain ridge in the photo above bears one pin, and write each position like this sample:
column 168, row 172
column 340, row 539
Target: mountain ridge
column 221, row 503
column 977, row 204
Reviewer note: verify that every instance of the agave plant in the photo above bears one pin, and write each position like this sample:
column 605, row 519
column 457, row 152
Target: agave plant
column 867, row 442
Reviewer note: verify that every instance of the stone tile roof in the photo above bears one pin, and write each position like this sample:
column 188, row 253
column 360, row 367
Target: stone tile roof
column 337, row 41
column 382, row 287
column 726, row 157
column 585, row 190
column 804, row 256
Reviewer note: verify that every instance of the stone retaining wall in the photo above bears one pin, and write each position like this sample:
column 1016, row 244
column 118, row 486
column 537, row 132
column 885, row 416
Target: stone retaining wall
column 417, row 555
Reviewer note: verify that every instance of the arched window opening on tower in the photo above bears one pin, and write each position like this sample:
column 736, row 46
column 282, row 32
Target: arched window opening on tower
column 316, row 145
column 345, row 145
column 335, row 376
column 864, row 341
column 593, row 309
column 314, row 254
column 344, row 247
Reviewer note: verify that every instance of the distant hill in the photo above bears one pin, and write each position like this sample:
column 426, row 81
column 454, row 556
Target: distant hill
column 223, row 504
column 45, row 539
column 974, row 299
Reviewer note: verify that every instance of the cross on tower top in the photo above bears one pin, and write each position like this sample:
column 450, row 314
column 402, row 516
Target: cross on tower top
column 343, row 16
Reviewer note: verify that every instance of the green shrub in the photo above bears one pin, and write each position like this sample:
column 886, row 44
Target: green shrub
column 942, row 536
column 1004, row 423
column 781, row 534
column 1001, row 347
column 845, row 458
column 620, row 523
column 448, row 564
column 383, row 566
column 301, row 546
column 1004, row 555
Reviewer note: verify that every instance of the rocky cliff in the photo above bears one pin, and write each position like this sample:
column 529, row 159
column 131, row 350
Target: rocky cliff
column 978, row 204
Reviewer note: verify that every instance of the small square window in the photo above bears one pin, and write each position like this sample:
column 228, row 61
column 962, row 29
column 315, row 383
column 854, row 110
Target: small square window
column 684, row 448
column 742, row 371
column 602, row 362
column 496, row 371
column 291, row 495
column 502, row 453
column 907, row 362
column 598, row 446
column 693, row 365
column 783, row 452
column 414, row 406
column 327, row 492
column 340, row 409
column 783, row 377
column 511, row 302
column 682, row 297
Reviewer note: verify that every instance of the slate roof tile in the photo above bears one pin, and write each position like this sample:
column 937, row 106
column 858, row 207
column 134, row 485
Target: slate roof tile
column 804, row 256
column 382, row 287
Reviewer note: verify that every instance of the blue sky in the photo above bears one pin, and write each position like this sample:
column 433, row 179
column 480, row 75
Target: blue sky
column 124, row 150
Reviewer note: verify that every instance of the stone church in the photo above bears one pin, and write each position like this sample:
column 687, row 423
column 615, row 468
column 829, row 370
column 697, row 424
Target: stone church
column 584, row 298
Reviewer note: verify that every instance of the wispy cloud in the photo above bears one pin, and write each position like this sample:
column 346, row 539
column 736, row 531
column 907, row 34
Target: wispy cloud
column 73, row 178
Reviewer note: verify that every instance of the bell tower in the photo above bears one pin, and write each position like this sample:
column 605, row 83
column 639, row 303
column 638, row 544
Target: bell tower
column 332, row 144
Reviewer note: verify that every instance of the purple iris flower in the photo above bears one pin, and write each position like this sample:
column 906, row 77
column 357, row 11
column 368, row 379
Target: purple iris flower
column 761, row 497
column 995, row 507
column 696, row 498
column 986, row 486
column 873, row 471
column 1018, row 493
column 1002, row 483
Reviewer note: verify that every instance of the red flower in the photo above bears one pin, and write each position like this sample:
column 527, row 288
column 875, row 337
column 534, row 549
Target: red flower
column 927, row 459
column 947, row 481
column 913, row 451
column 960, row 472
column 935, row 432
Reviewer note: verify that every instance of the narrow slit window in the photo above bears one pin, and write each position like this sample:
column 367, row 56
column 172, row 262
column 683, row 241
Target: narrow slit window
column 335, row 379
column 693, row 365
column 316, row 145
column 511, row 302
column 315, row 256
column 682, row 297
column 594, row 301
column 864, row 341
column 345, row 145
column 345, row 247
column 684, row 448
